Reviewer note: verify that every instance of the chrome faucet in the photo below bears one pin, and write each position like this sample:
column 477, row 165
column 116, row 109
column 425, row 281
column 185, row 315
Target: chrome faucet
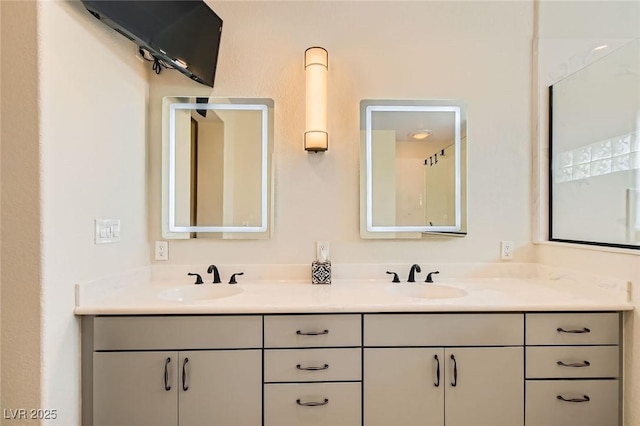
column 414, row 268
column 216, row 274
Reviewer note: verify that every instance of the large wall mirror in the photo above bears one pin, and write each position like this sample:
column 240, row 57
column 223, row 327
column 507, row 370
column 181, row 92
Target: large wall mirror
column 217, row 174
column 594, row 183
column 413, row 168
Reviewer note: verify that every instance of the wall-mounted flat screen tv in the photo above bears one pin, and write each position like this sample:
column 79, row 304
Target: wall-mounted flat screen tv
column 182, row 34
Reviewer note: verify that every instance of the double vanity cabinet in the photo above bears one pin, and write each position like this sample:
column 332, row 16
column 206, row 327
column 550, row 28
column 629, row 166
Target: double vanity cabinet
column 353, row 369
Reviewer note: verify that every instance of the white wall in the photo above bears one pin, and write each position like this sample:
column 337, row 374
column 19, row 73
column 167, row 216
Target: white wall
column 93, row 113
column 433, row 50
column 74, row 151
column 565, row 45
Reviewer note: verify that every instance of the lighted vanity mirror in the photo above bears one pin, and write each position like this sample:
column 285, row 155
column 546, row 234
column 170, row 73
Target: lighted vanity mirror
column 217, row 174
column 412, row 168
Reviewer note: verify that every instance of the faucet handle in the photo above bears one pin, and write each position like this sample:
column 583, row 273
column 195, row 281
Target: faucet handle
column 429, row 279
column 232, row 280
column 396, row 279
column 198, row 278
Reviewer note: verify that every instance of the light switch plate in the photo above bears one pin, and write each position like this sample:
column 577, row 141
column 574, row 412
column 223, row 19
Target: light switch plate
column 107, row 231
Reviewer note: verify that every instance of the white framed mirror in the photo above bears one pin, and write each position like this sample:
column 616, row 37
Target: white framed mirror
column 413, row 168
column 217, row 174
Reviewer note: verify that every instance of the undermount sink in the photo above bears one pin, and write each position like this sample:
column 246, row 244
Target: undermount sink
column 426, row 291
column 194, row 293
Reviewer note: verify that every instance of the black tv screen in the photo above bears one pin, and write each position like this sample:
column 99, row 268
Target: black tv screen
column 184, row 34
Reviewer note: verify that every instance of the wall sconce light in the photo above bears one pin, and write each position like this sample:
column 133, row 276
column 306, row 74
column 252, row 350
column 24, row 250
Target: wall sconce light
column 316, row 65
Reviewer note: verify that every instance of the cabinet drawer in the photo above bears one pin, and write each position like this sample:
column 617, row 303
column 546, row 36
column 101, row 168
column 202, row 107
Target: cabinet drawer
column 177, row 332
column 312, row 365
column 600, row 406
column 573, row 329
column 317, row 404
column 572, row 362
column 443, row 329
column 296, row 331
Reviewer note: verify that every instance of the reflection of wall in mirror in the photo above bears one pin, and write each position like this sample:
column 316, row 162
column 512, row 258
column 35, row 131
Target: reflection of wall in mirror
column 242, row 177
column 210, row 173
column 410, row 197
column 183, row 167
column 383, row 178
column 439, row 186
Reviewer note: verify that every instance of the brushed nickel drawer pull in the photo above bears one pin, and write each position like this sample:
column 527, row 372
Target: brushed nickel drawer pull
column 312, row 403
column 574, row 331
column 324, row 367
column 585, row 398
column 574, row 364
column 311, row 333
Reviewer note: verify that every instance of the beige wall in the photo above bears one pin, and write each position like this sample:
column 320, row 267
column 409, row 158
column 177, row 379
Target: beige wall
column 183, row 167
column 565, row 45
column 210, row 169
column 434, row 50
column 384, row 177
column 0, row 213
column 20, row 219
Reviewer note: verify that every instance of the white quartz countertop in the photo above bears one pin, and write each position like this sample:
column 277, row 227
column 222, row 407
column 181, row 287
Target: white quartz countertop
column 349, row 295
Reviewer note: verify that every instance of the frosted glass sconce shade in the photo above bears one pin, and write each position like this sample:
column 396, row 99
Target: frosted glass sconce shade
column 316, row 65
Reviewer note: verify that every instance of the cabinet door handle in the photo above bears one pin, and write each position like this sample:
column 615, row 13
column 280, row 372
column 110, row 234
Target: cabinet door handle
column 167, row 386
column 311, row 333
column 574, row 331
column 185, row 386
column 312, row 403
column 324, row 367
column 585, row 398
column 574, row 364
column 455, row 371
column 437, row 383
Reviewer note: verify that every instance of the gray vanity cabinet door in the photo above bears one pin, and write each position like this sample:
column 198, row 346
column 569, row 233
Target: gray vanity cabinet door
column 489, row 386
column 130, row 389
column 401, row 387
column 220, row 388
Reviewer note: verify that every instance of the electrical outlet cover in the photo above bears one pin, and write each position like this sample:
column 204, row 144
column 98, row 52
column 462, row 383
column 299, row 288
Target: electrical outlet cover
column 162, row 250
column 506, row 250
